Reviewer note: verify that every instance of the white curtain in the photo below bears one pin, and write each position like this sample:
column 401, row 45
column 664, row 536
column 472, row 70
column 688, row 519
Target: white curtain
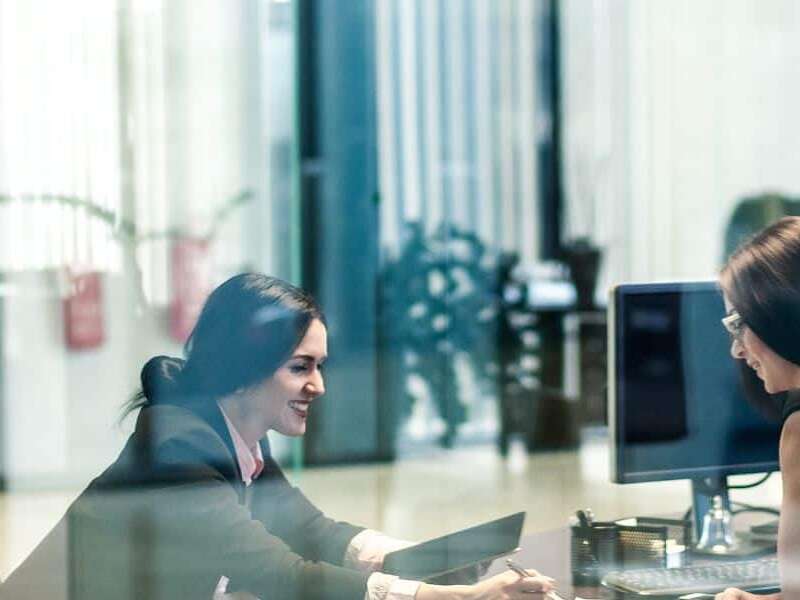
column 120, row 121
column 192, row 93
column 59, row 134
column 673, row 112
column 144, row 107
column 457, row 102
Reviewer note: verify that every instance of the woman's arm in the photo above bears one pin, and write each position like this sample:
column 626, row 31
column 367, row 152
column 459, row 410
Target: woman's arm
column 202, row 530
column 505, row 586
column 367, row 550
column 789, row 528
column 286, row 512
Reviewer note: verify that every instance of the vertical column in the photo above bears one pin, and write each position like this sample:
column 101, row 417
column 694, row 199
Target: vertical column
column 338, row 167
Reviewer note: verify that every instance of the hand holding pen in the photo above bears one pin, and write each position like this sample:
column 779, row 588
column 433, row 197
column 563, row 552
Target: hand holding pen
column 517, row 584
column 519, row 570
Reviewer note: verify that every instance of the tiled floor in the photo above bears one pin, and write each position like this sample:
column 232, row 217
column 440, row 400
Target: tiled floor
column 421, row 497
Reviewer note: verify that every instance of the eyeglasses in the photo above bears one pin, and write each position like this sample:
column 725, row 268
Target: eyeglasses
column 735, row 325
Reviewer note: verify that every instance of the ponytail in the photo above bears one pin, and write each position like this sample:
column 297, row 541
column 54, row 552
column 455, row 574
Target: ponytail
column 161, row 382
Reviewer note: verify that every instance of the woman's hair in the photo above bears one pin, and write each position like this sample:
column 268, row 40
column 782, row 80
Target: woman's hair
column 762, row 282
column 769, row 406
column 248, row 327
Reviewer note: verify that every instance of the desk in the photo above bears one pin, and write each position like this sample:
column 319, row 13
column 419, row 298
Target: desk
column 549, row 553
column 44, row 574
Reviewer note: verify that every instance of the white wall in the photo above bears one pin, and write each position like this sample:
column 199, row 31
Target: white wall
column 673, row 112
column 209, row 85
column 193, row 134
column 61, row 406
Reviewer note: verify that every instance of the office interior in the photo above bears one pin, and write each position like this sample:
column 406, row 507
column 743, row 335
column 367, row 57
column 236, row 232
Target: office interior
column 458, row 182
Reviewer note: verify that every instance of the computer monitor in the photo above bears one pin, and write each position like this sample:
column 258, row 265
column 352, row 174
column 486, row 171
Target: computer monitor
column 677, row 409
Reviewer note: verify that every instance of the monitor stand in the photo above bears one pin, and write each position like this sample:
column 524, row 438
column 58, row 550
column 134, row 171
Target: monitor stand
column 714, row 533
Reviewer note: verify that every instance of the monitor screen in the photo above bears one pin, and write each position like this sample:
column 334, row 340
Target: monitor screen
column 677, row 409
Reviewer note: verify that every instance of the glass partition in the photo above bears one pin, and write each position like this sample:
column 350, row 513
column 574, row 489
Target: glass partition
column 457, row 183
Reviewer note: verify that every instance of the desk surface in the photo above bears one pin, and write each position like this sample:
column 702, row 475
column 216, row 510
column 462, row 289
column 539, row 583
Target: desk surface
column 549, row 553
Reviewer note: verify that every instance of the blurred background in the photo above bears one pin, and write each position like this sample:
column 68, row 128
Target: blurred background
column 458, row 182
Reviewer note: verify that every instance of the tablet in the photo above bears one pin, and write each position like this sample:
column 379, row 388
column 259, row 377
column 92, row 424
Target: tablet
column 456, row 550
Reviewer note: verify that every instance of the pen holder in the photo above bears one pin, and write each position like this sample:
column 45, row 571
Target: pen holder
column 593, row 552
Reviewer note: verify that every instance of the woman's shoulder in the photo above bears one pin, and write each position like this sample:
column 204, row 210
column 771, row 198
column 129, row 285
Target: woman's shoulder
column 172, row 415
column 790, row 454
column 790, row 432
column 791, row 404
column 165, row 425
column 169, row 437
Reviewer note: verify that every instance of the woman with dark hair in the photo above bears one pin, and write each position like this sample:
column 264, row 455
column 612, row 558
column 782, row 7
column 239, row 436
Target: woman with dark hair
column 761, row 284
column 195, row 505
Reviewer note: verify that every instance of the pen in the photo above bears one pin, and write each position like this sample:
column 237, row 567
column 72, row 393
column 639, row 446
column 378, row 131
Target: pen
column 583, row 519
column 552, row 594
column 589, row 516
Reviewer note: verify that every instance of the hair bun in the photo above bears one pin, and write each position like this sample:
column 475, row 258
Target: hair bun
column 160, row 377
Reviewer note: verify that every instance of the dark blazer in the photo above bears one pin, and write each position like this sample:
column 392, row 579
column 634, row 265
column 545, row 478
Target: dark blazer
column 171, row 515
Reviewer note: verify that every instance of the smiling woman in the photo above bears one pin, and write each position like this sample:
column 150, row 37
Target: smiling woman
column 761, row 285
column 282, row 402
column 195, row 506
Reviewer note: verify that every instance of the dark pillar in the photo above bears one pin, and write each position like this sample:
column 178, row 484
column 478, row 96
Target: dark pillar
column 339, row 217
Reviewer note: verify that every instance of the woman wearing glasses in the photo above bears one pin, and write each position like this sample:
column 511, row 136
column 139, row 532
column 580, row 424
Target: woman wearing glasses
column 195, row 505
column 761, row 284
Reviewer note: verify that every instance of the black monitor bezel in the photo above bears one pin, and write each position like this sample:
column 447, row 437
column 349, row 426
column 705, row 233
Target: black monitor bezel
column 615, row 396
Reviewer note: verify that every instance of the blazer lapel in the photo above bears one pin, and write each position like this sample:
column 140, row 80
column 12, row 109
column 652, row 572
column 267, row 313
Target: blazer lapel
column 212, row 414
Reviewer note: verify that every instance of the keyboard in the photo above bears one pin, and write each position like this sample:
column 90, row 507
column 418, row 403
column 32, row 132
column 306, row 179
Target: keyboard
column 756, row 574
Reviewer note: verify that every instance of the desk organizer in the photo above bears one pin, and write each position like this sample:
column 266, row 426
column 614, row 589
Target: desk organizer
column 639, row 542
column 643, row 541
column 593, row 552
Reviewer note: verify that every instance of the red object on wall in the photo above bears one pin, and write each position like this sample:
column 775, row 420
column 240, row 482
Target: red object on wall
column 191, row 284
column 84, row 327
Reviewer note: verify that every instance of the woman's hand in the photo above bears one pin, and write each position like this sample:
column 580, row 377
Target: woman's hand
column 737, row 594
column 510, row 586
column 505, row 586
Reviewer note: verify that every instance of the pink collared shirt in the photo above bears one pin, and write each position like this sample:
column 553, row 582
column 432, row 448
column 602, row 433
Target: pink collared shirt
column 250, row 460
